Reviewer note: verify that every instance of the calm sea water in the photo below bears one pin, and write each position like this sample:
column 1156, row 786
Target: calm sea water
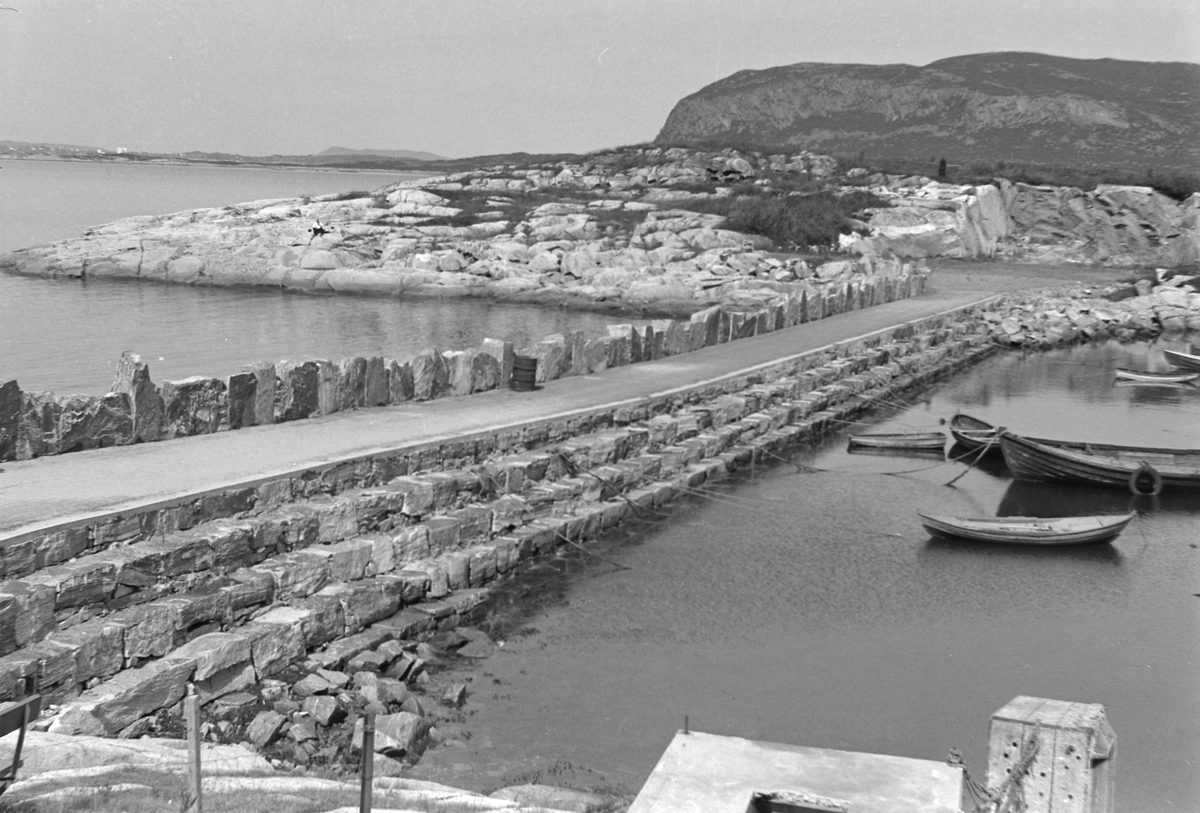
column 67, row 335
column 810, row 607
column 45, row 201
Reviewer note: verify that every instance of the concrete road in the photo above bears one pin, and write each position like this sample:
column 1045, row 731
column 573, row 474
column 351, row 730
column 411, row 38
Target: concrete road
column 40, row 494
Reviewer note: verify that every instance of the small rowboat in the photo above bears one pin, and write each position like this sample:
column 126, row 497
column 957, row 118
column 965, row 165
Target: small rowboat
column 1147, row 377
column 1028, row 530
column 919, row 441
column 1178, row 358
column 974, row 434
column 1143, row 470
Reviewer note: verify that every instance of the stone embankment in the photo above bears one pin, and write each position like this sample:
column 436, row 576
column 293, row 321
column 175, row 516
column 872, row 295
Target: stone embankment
column 296, row 605
column 33, row 424
column 1118, row 225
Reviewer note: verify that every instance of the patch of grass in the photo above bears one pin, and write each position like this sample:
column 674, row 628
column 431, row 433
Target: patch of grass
column 793, row 221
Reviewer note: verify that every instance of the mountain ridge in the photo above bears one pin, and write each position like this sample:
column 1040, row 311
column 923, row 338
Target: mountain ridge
column 999, row 106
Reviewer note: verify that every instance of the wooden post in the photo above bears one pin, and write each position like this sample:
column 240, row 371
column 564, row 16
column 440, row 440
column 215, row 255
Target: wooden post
column 368, row 763
column 1071, row 770
column 191, row 713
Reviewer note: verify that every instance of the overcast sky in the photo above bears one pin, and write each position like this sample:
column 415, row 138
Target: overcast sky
column 472, row 77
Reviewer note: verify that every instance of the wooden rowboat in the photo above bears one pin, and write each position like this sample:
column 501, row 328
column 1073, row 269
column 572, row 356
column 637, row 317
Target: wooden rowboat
column 920, row 441
column 972, row 433
column 1143, row 470
column 1147, row 377
column 1178, row 358
column 1028, row 530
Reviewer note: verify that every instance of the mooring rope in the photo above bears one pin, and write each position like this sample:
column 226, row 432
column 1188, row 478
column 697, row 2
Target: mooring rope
column 1010, row 796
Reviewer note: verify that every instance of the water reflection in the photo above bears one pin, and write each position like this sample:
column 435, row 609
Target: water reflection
column 1028, row 499
column 1104, row 554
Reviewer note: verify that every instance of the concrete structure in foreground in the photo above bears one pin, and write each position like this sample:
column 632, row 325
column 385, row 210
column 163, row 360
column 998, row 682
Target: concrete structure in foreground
column 709, row 773
column 1044, row 756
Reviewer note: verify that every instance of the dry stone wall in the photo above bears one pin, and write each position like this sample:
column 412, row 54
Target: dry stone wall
column 116, row 617
column 33, row 424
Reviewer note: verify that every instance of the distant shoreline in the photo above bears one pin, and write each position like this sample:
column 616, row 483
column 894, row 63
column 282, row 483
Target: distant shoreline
column 215, row 164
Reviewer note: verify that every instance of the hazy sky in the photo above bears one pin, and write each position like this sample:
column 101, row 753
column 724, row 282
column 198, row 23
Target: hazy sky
column 471, row 77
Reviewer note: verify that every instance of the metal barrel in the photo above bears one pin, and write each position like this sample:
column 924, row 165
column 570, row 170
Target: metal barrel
column 524, row 373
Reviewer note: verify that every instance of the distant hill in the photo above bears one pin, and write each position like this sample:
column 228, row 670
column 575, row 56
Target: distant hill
column 999, row 106
column 410, row 154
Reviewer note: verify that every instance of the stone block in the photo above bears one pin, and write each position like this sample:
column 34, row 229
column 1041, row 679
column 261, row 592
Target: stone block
column 88, row 422
column 458, row 568
column 61, row 546
column 214, row 652
column 375, row 382
column 78, row 584
column 326, row 620
column 482, row 568
column 399, row 381
column 410, row 544
column 352, row 383
column 137, row 693
column 241, row 394
column 99, row 647
column 194, row 406
column 503, row 353
column 296, row 574
column 235, row 678
column 146, row 404
column 475, row 523
column 11, row 407
column 266, row 389
column 264, row 728
column 401, row 733
column 37, row 434
column 431, row 378
column 249, row 588
column 382, row 554
column 551, row 353
column 349, row 559
column 443, row 534
column 32, row 609
column 329, row 398
column 364, row 603
column 338, row 518
column 276, row 639
column 198, row 608
column 296, row 396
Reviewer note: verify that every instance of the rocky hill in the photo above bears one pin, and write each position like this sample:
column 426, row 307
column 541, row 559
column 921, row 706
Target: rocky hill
column 990, row 107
